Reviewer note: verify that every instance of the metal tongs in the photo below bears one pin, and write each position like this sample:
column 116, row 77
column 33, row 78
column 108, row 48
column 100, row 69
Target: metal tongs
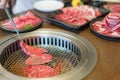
column 13, row 24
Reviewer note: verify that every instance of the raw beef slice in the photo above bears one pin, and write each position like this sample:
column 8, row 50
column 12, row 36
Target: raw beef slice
column 30, row 50
column 36, row 55
column 39, row 71
column 36, row 60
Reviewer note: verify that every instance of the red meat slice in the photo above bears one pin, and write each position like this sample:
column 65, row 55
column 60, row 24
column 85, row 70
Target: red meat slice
column 30, row 50
column 98, row 26
column 40, row 71
column 35, row 20
column 62, row 17
column 36, row 60
column 89, row 14
column 79, row 22
column 112, row 20
column 114, row 15
column 117, row 27
column 97, row 12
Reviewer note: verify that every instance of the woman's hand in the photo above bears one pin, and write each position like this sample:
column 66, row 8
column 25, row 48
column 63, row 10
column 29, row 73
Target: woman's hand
column 3, row 3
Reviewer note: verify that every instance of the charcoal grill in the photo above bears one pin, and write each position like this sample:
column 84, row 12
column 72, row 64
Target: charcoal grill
column 77, row 55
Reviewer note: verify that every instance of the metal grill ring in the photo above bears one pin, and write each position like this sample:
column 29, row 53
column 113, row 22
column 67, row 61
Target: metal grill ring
column 68, row 49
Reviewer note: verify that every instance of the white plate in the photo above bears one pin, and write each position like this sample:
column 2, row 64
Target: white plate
column 48, row 5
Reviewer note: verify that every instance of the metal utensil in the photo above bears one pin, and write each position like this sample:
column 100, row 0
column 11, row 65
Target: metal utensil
column 13, row 24
column 11, row 19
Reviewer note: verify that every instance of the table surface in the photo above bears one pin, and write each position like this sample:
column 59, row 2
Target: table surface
column 108, row 65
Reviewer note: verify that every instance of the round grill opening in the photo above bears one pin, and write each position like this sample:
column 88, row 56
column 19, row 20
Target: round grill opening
column 76, row 55
column 64, row 52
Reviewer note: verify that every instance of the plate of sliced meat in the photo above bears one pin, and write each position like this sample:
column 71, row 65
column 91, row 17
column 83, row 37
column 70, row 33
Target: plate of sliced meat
column 112, row 7
column 24, row 22
column 107, row 27
column 75, row 17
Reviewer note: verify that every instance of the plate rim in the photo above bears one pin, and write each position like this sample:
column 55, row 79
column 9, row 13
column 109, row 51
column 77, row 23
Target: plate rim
column 62, row 5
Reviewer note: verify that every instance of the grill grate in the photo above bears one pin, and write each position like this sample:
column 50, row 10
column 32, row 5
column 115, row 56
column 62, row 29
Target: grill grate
column 63, row 51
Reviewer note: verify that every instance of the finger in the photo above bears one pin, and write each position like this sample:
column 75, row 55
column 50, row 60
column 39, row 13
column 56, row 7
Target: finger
column 3, row 3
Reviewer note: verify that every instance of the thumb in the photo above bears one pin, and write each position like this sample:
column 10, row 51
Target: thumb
column 3, row 3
